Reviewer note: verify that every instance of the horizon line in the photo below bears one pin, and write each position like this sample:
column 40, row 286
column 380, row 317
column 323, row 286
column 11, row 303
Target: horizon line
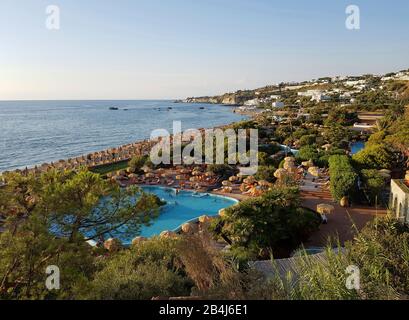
column 28, row 100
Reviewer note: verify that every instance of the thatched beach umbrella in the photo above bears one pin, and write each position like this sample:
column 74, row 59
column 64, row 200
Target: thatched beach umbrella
column 308, row 163
column 255, row 191
column 325, row 208
column 314, row 171
column 288, row 165
column 249, row 180
column 264, row 183
column 169, row 174
column 227, row 189
column 226, row 183
column 121, row 173
column 146, row 169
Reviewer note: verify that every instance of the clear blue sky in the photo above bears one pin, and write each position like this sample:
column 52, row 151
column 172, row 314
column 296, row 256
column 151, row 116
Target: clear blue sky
column 137, row 49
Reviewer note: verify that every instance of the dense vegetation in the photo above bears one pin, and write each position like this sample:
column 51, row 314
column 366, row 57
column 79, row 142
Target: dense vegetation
column 343, row 177
column 273, row 223
column 381, row 254
column 48, row 220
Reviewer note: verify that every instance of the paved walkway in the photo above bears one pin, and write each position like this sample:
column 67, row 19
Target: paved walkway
column 342, row 223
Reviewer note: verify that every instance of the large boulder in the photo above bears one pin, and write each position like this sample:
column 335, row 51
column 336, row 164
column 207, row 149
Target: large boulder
column 189, row 228
column 205, row 219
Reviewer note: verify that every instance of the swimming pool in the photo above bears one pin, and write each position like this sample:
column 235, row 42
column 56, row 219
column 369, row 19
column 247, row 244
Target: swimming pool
column 357, row 146
column 181, row 208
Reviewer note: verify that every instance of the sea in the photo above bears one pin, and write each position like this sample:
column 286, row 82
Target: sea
column 35, row 132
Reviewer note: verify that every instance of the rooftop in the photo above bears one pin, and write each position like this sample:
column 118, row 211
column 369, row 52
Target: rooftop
column 401, row 184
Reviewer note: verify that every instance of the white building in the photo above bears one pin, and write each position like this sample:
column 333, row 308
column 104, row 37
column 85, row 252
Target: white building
column 363, row 126
column 353, row 83
column 316, row 95
column 320, row 97
column 278, row 104
column 309, row 93
column 252, row 103
column 403, row 77
column 399, row 199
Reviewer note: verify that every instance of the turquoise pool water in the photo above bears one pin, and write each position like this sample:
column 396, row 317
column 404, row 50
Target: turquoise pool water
column 357, row 146
column 182, row 208
column 288, row 149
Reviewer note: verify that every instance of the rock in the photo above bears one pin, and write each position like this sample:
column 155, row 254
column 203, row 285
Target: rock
column 113, row 244
column 138, row 240
column 222, row 213
column 205, row 219
column 167, row 234
column 189, row 228
column 229, row 100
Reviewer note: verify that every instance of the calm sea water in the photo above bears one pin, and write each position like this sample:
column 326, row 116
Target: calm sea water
column 34, row 132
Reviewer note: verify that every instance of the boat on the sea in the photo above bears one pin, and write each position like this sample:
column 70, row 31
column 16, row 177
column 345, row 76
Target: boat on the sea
column 113, row 108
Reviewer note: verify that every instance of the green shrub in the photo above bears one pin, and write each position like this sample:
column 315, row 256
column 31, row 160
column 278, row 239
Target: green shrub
column 308, row 140
column 136, row 164
column 222, row 170
column 343, row 176
column 150, row 269
column 374, row 156
column 272, row 223
column 307, row 153
column 373, row 184
column 265, row 173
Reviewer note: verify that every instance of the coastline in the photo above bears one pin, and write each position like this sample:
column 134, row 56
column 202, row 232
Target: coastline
column 111, row 156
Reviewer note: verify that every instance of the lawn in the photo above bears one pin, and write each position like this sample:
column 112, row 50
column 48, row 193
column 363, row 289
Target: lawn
column 112, row 167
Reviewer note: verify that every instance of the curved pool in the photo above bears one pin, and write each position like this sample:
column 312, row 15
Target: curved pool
column 181, row 208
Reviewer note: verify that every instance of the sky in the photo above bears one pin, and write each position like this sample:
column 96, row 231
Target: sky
column 169, row 49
